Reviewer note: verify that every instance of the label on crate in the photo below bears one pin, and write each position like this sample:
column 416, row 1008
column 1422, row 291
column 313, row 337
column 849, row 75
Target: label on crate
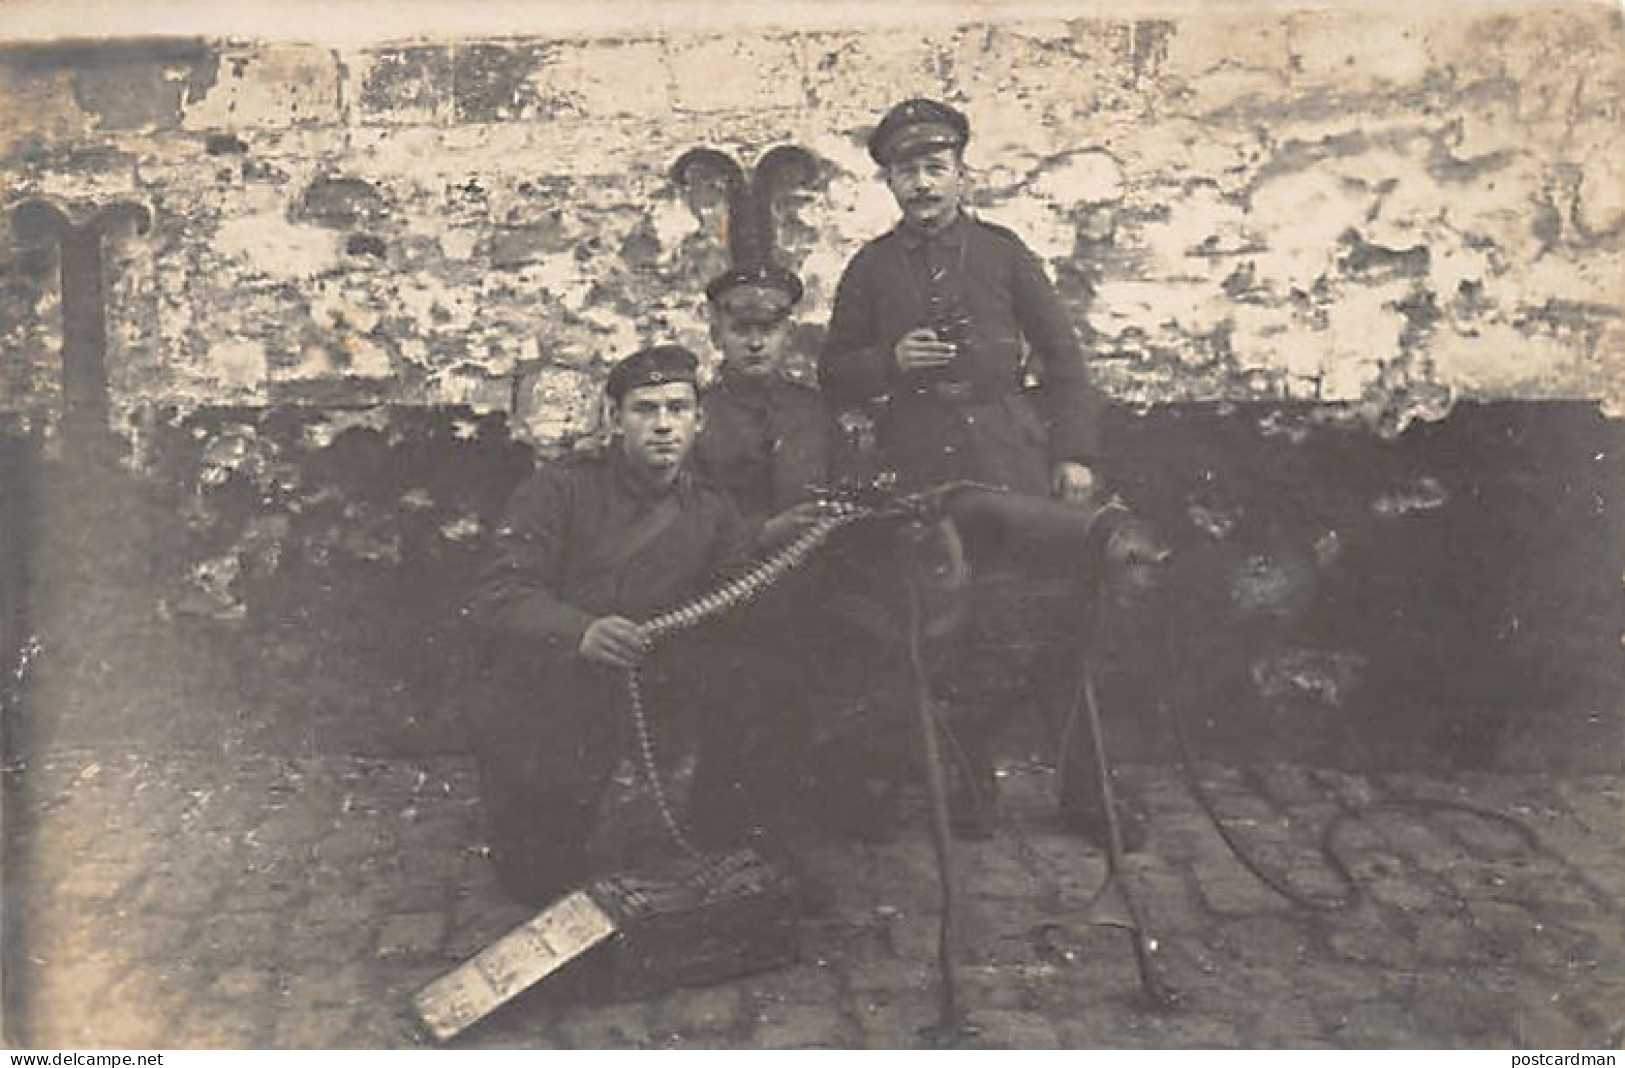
column 518, row 960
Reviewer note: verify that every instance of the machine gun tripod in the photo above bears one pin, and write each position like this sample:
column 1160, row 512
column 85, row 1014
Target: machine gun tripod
column 987, row 527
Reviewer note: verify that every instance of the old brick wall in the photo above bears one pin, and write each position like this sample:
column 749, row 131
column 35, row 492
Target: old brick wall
column 1317, row 234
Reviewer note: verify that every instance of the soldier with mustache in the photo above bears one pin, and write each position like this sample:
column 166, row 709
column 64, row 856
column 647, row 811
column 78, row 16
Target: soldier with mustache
column 949, row 328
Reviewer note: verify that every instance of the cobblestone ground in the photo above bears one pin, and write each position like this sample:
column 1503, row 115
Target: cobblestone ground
column 209, row 901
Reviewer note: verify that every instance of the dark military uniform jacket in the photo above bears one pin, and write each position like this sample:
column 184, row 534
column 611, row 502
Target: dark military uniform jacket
column 584, row 538
column 980, row 286
column 766, row 442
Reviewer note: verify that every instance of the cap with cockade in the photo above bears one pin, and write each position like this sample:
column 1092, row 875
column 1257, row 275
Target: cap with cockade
column 917, row 126
column 653, row 366
column 759, row 294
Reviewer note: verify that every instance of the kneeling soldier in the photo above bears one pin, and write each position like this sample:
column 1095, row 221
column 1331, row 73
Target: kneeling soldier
column 590, row 546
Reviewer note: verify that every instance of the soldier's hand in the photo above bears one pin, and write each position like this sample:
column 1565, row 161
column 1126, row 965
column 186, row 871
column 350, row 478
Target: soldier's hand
column 1073, row 482
column 614, row 642
column 919, row 350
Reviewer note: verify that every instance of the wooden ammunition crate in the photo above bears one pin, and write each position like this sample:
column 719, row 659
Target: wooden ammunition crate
column 735, row 917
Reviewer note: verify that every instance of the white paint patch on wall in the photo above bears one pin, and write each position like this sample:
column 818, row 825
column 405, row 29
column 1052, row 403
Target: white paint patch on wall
column 267, row 244
column 240, row 363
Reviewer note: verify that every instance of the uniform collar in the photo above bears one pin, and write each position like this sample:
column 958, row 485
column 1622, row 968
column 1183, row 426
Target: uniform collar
column 637, row 485
column 914, row 238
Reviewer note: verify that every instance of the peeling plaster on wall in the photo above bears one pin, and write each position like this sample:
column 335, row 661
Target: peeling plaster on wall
column 1370, row 211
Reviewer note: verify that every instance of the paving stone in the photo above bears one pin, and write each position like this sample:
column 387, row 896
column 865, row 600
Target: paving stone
column 310, row 943
column 697, row 1012
column 243, row 936
column 1011, row 1029
column 1420, row 845
column 1403, row 889
column 1487, row 838
column 151, row 992
column 1375, row 1024
column 125, row 1018
column 257, row 891
column 383, row 1029
column 803, row 982
column 1318, row 882
column 900, row 975
column 220, row 1026
column 1088, row 958
column 419, row 892
column 1598, row 1006
column 1448, row 939
column 1183, row 1030
column 1228, row 888
column 996, row 988
column 1365, row 939
column 180, row 890
column 1162, row 791
column 1118, row 1022
column 67, row 990
column 1289, row 785
column 1520, row 879
column 1597, row 801
column 322, row 1028
column 332, row 906
column 93, row 884
column 412, row 934
column 607, row 1027
column 800, row 1025
column 1541, row 1020
column 1569, row 948
column 1452, row 1008
column 242, row 981
column 300, row 821
column 895, row 1022
column 1286, row 1022
column 1348, row 789
column 1273, row 940
column 323, row 988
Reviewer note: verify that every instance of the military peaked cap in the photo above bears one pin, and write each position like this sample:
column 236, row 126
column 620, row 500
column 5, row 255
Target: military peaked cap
column 762, row 294
column 654, row 366
column 917, row 126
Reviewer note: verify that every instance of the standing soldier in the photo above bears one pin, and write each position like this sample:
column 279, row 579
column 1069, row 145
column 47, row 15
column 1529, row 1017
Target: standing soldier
column 767, row 438
column 944, row 317
column 948, row 321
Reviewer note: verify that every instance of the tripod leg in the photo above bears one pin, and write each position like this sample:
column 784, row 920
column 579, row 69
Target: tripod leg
column 1117, row 888
column 951, row 1026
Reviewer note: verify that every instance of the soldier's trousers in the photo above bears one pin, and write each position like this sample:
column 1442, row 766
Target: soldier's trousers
column 554, row 727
